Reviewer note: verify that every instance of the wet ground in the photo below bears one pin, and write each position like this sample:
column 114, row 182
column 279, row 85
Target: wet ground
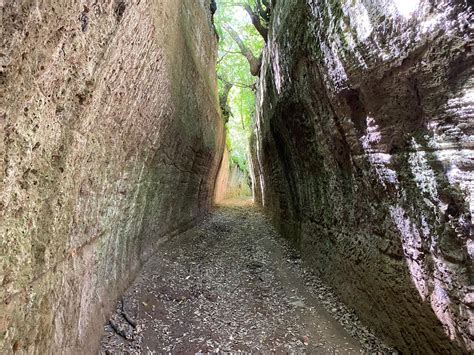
column 232, row 284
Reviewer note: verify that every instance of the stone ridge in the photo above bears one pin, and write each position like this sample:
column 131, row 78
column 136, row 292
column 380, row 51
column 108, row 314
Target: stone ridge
column 111, row 139
column 363, row 156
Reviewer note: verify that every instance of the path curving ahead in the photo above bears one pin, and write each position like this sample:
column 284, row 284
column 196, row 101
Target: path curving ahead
column 232, row 284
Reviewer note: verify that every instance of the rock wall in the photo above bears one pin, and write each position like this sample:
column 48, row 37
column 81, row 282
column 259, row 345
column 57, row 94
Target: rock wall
column 110, row 142
column 238, row 184
column 231, row 181
column 220, row 191
column 363, row 155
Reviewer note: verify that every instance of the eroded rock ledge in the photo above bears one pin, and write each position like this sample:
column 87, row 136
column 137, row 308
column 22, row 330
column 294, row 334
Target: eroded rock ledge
column 363, row 155
column 111, row 138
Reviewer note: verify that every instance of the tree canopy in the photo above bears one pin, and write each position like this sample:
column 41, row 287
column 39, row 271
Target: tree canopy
column 239, row 59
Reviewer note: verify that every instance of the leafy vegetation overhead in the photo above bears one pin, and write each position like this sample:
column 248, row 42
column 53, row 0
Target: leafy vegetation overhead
column 236, row 82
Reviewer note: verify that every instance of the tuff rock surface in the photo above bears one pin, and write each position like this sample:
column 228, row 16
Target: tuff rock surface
column 231, row 181
column 110, row 142
column 363, row 155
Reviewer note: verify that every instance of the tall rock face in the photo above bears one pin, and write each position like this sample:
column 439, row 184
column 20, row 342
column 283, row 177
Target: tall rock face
column 363, row 155
column 231, row 181
column 222, row 180
column 110, row 142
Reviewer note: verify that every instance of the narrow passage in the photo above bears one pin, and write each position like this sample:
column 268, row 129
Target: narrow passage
column 232, row 284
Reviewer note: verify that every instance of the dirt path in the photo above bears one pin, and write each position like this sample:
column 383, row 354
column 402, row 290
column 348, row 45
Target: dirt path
column 231, row 284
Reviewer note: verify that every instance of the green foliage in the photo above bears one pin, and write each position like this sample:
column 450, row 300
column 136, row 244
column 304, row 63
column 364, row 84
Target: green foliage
column 233, row 67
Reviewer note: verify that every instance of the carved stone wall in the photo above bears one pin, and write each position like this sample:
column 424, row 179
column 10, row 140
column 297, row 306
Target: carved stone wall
column 363, row 155
column 110, row 142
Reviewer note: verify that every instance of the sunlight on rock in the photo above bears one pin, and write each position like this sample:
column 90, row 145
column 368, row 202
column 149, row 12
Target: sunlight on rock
column 406, row 7
column 334, row 64
column 432, row 23
column 424, row 175
column 380, row 161
column 358, row 12
column 412, row 248
column 277, row 69
column 371, row 169
column 224, row 176
column 440, row 302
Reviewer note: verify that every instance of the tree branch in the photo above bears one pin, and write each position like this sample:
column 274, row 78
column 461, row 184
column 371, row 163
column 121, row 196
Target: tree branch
column 257, row 23
column 254, row 62
column 239, row 85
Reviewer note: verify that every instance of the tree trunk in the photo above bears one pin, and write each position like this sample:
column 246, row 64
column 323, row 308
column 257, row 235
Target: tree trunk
column 223, row 97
